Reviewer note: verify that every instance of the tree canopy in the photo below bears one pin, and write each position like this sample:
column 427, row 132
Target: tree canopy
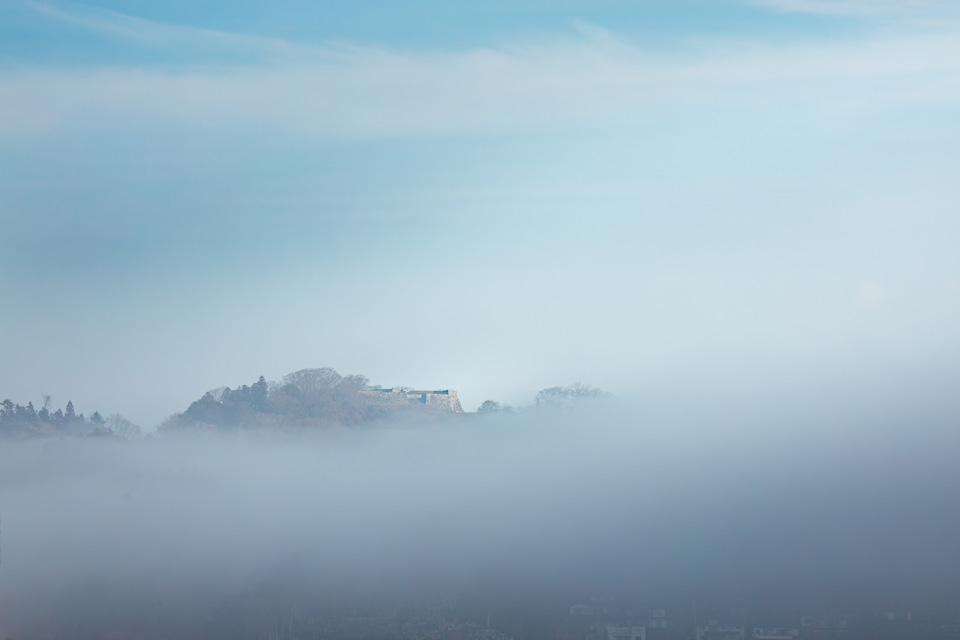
column 305, row 398
column 18, row 420
column 569, row 395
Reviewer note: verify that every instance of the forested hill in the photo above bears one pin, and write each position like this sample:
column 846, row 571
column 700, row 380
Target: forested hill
column 25, row 421
column 310, row 398
column 306, row 398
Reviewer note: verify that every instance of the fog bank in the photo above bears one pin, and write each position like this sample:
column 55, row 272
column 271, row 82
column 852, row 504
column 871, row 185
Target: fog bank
column 799, row 496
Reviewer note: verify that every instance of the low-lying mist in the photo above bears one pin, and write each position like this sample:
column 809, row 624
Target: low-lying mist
column 799, row 496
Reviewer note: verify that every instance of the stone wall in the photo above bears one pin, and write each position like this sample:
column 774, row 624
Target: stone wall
column 442, row 399
column 446, row 399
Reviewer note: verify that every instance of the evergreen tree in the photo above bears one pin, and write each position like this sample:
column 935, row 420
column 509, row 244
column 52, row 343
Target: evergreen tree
column 70, row 415
column 44, row 412
column 258, row 394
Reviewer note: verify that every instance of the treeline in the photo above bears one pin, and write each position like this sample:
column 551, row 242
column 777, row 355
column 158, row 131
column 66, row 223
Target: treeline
column 322, row 398
column 552, row 398
column 306, row 398
column 17, row 420
column 303, row 399
column 26, row 419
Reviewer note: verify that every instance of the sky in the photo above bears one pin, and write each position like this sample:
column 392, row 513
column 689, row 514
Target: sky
column 490, row 197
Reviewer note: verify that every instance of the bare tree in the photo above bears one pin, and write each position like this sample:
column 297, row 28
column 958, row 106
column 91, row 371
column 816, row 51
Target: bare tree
column 217, row 394
column 566, row 396
column 490, row 406
column 122, row 427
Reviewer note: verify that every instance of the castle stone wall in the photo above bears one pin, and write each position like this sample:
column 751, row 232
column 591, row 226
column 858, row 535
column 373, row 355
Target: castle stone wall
column 441, row 399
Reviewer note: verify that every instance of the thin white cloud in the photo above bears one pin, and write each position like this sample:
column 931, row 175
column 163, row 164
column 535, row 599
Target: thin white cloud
column 920, row 9
column 158, row 34
column 371, row 92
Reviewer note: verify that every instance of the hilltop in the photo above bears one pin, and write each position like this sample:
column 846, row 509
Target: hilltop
column 305, row 399
column 309, row 398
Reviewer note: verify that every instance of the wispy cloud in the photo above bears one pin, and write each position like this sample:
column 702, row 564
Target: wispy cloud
column 159, row 34
column 355, row 91
column 900, row 8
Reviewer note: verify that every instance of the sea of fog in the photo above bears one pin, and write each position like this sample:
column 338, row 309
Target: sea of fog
column 792, row 495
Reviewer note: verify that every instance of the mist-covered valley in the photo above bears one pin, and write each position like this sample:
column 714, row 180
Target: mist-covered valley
column 842, row 499
column 231, row 233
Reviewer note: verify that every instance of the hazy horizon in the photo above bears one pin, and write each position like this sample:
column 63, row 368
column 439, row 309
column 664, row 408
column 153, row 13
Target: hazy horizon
column 737, row 218
column 643, row 196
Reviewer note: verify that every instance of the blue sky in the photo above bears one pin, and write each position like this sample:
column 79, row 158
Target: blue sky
column 432, row 25
column 493, row 197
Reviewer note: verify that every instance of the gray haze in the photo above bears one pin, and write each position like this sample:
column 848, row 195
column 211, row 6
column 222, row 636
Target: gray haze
column 844, row 493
